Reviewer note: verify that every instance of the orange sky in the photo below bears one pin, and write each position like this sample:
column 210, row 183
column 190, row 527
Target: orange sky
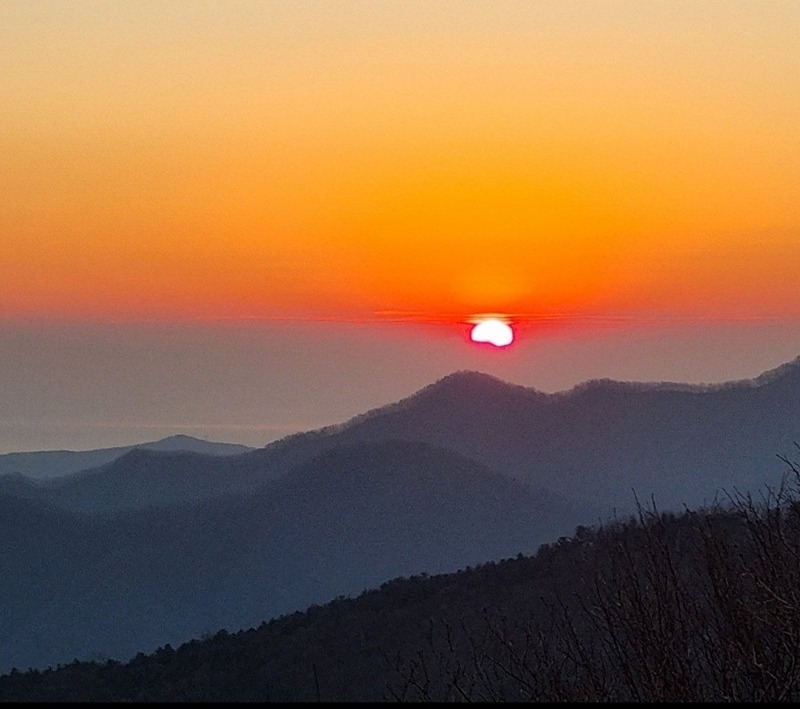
column 344, row 159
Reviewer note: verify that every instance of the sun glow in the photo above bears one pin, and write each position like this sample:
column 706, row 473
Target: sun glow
column 492, row 331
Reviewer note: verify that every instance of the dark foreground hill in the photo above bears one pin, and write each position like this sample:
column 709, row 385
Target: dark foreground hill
column 79, row 586
column 701, row 606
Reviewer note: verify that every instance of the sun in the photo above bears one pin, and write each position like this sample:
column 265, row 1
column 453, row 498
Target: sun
column 493, row 331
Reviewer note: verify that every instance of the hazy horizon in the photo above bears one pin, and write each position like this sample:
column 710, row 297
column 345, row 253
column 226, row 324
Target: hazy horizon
column 84, row 386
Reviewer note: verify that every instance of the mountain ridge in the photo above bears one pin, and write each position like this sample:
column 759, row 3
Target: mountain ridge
column 48, row 464
column 459, row 378
column 79, row 585
column 466, row 471
column 657, row 438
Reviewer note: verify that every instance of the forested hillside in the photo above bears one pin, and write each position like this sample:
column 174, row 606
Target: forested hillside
column 76, row 585
column 700, row 606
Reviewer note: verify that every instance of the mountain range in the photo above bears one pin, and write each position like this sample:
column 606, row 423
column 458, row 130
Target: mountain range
column 159, row 546
column 53, row 464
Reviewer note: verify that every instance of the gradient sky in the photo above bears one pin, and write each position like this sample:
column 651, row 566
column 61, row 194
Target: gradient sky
column 570, row 164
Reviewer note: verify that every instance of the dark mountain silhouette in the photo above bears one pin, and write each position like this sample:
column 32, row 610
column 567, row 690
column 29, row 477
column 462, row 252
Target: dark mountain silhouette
column 603, row 440
column 82, row 586
column 141, row 479
column 657, row 607
column 52, row 464
column 157, row 546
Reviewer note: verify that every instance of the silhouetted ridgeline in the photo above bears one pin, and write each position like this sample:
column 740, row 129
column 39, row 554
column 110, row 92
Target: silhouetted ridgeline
column 684, row 444
column 80, row 585
column 156, row 547
column 52, row 464
column 700, row 606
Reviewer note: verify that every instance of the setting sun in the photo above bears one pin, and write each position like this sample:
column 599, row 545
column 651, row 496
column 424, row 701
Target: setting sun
column 493, row 331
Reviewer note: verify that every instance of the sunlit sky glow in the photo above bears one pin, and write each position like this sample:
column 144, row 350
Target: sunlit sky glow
column 342, row 158
column 618, row 178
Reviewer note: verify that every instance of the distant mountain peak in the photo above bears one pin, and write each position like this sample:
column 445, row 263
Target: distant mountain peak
column 53, row 464
column 182, row 442
column 180, row 438
column 467, row 376
column 467, row 380
column 462, row 387
column 783, row 371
